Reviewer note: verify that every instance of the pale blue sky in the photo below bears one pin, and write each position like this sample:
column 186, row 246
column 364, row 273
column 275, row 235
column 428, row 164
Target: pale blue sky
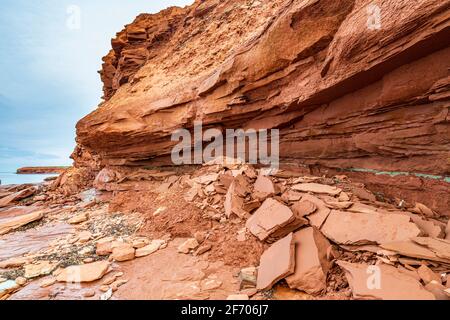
column 48, row 72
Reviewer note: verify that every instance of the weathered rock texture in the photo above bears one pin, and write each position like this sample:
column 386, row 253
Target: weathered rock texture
column 344, row 96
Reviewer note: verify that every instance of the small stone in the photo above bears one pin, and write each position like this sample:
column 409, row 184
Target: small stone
column 39, row 269
column 247, row 277
column 104, row 288
column 104, row 247
column 89, row 293
column 140, row 243
column 117, row 284
column 149, row 249
column 203, row 249
column 88, row 260
column 21, row 281
column 84, row 273
column 109, row 280
column 438, row 290
column 84, row 236
column 79, row 218
column 241, row 235
column 122, row 253
column 427, row 275
column 200, row 236
column 47, row 282
column 188, row 245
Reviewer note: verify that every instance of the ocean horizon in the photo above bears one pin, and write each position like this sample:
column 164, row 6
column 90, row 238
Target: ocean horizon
column 10, row 178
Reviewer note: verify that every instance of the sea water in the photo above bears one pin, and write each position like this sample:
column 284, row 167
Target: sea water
column 7, row 178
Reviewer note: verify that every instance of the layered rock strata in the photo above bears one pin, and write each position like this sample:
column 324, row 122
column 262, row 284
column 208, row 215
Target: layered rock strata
column 355, row 86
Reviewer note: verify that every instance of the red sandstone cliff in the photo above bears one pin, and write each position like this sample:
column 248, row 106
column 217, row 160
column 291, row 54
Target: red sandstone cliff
column 345, row 96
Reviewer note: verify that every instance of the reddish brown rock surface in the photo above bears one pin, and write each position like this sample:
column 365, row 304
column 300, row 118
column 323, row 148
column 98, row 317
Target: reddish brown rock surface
column 344, row 96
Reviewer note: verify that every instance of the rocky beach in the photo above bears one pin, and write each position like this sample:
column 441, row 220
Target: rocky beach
column 358, row 209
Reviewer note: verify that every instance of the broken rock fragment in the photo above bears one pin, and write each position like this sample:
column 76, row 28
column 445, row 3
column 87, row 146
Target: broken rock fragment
column 14, row 223
column 84, row 273
column 10, row 199
column 412, row 249
column 440, row 247
column 349, row 228
column 276, row 263
column 311, row 264
column 317, row 188
column 154, row 246
column 124, row 252
column 188, row 245
column 264, row 185
column 233, row 202
column 318, row 217
column 427, row 275
column 271, row 217
column 383, row 282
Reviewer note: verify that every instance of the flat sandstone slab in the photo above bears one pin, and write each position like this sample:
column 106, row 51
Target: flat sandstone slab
column 276, row 263
column 365, row 228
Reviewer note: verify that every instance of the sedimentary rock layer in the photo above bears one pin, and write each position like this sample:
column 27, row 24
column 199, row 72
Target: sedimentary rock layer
column 346, row 94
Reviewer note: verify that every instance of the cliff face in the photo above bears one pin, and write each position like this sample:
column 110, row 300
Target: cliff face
column 346, row 96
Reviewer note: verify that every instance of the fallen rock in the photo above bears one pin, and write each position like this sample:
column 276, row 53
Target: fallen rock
column 234, row 203
column 382, row 283
column 203, row 249
column 350, row 228
column 14, row 263
column 39, row 268
column 206, row 179
column 265, row 185
column 423, row 209
column 438, row 290
column 140, row 243
column 317, row 218
column 276, row 263
column 10, row 199
column 272, row 217
column 84, row 273
column 304, row 208
column 84, row 236
column 429, row 228
column 248, row 277
column 412, row 249
column 427, row 275
column 188, row 245
column 89, row 293
column 47, row 282
column 440, row 247
column 124, row 252
column 154, row 246
column 311, row 264
column 79, row 218
column 290, row 196
column 317, row 188
column 117, row 284
column 14, row 223
column 104, row 246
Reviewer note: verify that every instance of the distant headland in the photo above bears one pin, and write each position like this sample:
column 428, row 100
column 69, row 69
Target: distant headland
column 41, row 170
